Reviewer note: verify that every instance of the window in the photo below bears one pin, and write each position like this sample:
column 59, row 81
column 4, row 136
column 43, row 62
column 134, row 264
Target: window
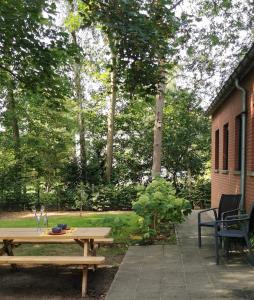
column 225, row 147
column 217, row 149
column 238, row 142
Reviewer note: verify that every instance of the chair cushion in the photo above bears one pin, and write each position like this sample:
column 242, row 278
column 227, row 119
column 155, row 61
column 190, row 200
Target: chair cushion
column 231, row 233
column 207, row 224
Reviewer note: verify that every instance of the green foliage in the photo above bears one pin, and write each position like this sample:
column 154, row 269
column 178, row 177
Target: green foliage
column 134, row 29
column 82, row 196
column 112, row 197
column 186, row 138
column 35, row 63
column 32, row 48
column 158, row 204
column 198, row 192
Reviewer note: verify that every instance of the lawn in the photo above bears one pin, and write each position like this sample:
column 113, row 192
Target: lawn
column 124, row 227
column 125, row 231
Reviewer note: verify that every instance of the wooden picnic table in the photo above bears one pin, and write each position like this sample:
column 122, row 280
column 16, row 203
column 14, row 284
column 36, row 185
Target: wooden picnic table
column 82, row 236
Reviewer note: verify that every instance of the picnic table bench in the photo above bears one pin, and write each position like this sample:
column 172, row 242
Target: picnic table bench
column 85, row 237
column 96, row 243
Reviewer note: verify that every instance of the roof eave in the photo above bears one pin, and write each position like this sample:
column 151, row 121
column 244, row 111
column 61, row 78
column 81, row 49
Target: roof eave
column 239, row 73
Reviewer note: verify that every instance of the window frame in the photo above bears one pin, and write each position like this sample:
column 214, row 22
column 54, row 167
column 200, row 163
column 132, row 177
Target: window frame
column 225, row 146
column 238, row 142
column 217, row 149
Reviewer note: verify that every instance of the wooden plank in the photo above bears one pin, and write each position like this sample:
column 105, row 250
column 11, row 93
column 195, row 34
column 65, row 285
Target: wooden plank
column 86, row 244
column 58, row 241
column 44, row 241
column 78, row 233
column 84, row 276
column 84, row 282
column 104, row 241
column 55, row 260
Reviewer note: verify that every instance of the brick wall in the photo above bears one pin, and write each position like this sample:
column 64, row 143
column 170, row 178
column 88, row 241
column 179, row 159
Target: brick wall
column 228, row 182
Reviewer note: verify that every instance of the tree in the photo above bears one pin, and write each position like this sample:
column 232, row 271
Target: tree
column 186, row 138
column 137, row 34
column 218, row 34
column 78, row 89
column 133, row 141
column 31, row 50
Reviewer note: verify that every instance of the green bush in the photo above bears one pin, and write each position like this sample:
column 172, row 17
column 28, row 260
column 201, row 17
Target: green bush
column 158, row 204
column 112, row 197
column 198, row 193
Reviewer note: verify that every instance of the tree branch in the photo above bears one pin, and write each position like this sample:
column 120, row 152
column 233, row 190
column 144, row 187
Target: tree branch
column 176, row 4
column 10, row 72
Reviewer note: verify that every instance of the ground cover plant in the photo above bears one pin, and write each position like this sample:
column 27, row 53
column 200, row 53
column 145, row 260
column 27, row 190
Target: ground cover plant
column 159, row 209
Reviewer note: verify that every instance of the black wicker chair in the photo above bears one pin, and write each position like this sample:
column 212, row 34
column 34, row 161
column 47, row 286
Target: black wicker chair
column 229, row 205
column 243, row 227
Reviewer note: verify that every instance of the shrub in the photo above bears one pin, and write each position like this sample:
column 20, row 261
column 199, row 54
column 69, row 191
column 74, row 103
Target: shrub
column 157, row 204
column 111, row 197
column 198, row 193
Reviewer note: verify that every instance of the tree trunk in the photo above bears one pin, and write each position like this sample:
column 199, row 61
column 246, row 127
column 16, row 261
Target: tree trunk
column 12, row 113
column 81, row 119
column 157, row 131
column 111, row 118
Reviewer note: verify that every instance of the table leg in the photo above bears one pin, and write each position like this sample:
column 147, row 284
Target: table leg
column 80, row 243
column 85, row 270
column 8, row 246
column 2, row 251
column 92, row 247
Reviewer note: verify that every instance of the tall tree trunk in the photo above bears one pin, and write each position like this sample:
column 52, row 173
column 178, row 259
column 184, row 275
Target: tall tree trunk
column 81, row 119
column 12, row 114
column 157, row 131
column 159, row 105
column 111, row 119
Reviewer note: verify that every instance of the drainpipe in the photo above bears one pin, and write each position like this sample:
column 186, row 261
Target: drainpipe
column 243, row 148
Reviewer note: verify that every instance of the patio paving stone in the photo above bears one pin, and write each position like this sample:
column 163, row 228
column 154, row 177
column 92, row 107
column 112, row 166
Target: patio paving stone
column 182, row 271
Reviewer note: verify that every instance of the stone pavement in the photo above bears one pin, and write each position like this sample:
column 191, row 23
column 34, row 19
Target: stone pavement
column 182, row 271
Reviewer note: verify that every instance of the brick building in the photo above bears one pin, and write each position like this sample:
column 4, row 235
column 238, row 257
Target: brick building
column 232, row 113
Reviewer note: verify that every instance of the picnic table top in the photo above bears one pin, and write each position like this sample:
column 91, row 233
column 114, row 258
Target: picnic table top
column 75, row 233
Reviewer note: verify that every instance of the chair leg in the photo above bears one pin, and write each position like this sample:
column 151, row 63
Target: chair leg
column 199, row 236
column 199, row 232
column 250, row 253
column 216, row 247
column 226, row 247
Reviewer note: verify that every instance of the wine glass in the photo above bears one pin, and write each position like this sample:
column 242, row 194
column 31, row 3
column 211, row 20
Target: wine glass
column 45, row 218
column 37, row 217
column 38, row 221
column 42, row 209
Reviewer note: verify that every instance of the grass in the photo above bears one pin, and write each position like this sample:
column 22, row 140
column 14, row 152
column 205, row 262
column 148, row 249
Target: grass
column 123, row 225
column 125, row 231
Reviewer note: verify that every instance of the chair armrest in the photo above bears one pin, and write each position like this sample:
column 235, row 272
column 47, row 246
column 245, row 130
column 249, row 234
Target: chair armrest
column 223, row 224
column 240, row 219
column 228, row 212
column 206, row 210
column 236, row 217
